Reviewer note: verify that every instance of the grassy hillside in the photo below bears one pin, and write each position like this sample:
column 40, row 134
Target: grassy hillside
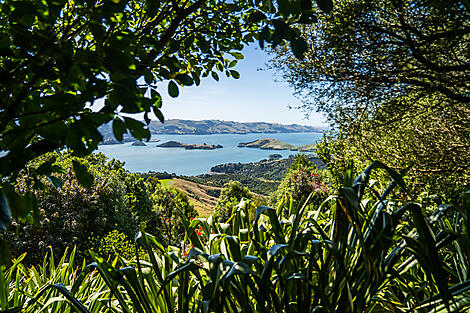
column 201, row 196
column 274, row 144
column 267, row 144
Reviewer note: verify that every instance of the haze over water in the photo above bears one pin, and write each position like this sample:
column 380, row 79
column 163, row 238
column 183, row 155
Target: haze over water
column 195, row 162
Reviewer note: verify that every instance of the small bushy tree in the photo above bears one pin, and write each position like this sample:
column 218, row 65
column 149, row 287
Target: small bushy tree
column 71, row 213
column 230, row 196
column 300, row 181
column 114, row 244
column 165, row 222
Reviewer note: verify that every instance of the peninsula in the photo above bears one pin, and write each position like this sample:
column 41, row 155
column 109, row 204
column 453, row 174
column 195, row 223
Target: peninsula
column 274, row 144
column 176, row 144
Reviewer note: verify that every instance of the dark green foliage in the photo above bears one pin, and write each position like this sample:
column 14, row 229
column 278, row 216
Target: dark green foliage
column 158, row 175
column 271, row 170
column 58, row 58
column 261, row 177
column 350, row 254
column 71, row 214
column 301, row 180
column 230, row 197
column 393, row 79
column 165, row 221
column 254, row 184
column 114, row 244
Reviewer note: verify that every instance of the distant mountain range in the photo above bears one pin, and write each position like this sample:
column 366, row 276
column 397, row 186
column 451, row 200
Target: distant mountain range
column 207, row 127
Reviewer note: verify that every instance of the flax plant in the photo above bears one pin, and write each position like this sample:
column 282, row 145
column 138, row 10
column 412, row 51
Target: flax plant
column 359, row 251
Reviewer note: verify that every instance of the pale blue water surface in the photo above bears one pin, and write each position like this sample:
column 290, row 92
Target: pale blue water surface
column 195, row 162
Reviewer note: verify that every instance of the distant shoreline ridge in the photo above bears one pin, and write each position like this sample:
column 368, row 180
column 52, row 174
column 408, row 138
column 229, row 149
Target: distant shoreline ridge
column 210, row 127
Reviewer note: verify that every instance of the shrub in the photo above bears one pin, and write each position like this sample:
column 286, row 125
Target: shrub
column 346, row 255
column 114, row 244
column 72, row 213
column 230, row 196
column 165, row 222
column 301, row 180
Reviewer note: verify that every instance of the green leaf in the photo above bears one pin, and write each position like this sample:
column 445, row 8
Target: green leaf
column 56, row 182
column 237, row 55
column 325, row 5
column 299, row 47
column 351, row 196
column 148, row 76
column 119, row 128
column 265, row 35
column 238, row 268
column 64, row 292
column 256, row 17
column 235, row 74
column 156, row 97
column 426, row 246
column 5, row 256
column 5, row 212
column 45, row 168
column 84, row 177
column 158, row 114
column 215, row 76
column 273, row 218
column 185, row 79
column 137, row 129
column 152, row 7
column 173, row 89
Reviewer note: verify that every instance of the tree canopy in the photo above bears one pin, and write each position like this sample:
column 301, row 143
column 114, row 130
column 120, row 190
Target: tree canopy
column 59, row 57
column 393, row 77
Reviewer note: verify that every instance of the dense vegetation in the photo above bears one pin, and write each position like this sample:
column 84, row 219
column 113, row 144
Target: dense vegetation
column 255, row 185
column 301, row 181
column 344, row 255
column 114, row 209
column 265, row 169
column 261, row 177
column 230, row 197
column 60, row 58
column 393, row 79
column 168, row 204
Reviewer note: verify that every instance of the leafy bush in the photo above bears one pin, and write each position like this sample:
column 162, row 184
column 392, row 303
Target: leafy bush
column 165, row 222
column 114, row 244
column 71, row 213
column 301, row 180
column 346, row 255
column 230, row 196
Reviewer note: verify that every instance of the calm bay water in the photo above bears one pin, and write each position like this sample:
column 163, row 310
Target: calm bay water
column 194, row 162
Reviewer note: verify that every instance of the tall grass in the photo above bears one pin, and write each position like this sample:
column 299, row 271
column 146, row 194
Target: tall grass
column 351, row 254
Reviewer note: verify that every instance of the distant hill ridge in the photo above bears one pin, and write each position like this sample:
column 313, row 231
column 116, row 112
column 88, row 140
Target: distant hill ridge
column 207, row 127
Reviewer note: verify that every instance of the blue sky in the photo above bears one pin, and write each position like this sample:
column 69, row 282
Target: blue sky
column 256, row 96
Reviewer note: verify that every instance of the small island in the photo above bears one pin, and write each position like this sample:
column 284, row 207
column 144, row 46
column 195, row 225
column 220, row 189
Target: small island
column 176, row 144
column 274, row 144
column 275, row 156
column 139, row 144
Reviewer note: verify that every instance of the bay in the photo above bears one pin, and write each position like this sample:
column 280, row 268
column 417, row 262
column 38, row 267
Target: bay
column 195, row 162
